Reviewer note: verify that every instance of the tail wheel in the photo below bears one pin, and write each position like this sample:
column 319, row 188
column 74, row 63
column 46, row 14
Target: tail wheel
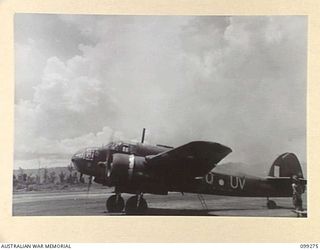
column 271, row 204
column 115, row 203
column 136, row 205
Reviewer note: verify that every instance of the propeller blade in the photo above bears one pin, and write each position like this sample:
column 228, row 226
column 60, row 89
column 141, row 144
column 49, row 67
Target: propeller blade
column 108, row 164
column 89, row 183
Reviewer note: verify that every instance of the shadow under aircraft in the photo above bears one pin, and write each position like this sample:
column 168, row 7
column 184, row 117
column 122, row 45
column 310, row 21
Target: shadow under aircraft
column 138, row 168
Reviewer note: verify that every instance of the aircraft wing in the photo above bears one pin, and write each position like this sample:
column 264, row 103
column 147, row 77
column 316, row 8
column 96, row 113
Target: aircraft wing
column 190, row 160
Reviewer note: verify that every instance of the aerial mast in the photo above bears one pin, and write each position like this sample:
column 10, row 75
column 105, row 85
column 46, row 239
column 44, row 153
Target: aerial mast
column 143, row 134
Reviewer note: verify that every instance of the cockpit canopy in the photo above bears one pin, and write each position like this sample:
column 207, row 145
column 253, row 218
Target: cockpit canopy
column 119, row 146
column 99, row 153
column 87, row 153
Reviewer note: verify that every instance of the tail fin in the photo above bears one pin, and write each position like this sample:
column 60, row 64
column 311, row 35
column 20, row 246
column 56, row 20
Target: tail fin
column 286, row 165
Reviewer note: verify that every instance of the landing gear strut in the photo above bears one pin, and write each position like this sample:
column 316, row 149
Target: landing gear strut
column 136, row 204
column 271, row 204
column 115, row 204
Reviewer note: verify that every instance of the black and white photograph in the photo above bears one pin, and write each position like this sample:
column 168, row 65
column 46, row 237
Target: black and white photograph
column 162, row 115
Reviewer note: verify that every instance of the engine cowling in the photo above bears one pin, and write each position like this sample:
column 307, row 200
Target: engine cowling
column 126, row 168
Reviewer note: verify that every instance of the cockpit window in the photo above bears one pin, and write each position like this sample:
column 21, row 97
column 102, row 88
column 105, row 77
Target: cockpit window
column 119, row 147
column 125, row 148
column 91, row 153
column 79, row 154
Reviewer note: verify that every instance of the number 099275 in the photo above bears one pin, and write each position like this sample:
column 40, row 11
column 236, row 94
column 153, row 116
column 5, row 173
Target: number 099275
column 309, row 246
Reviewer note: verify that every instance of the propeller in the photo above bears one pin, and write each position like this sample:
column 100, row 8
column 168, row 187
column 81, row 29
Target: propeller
column 108, row 163
column 81, row 178
column 89, row 183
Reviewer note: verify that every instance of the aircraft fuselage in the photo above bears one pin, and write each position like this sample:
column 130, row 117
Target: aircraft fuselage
column 246, row 186
column 140, row 168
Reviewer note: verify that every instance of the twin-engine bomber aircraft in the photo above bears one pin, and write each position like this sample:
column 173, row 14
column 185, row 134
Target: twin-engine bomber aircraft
column 140, row 168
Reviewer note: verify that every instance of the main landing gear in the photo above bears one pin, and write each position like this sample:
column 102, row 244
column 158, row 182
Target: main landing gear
column 271, row 204
column 134, row 205
column 115, row 203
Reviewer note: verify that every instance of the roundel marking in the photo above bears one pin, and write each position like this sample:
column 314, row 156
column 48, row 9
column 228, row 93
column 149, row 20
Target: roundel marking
column 221, row 182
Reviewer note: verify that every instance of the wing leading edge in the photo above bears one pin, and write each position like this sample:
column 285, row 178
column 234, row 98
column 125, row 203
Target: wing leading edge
column 190, row 160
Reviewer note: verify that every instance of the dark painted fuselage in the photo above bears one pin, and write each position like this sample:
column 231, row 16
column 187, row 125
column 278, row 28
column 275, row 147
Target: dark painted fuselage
column 246, row 186
column 87, row 162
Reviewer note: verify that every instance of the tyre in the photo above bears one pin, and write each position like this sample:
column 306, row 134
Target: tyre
column 115, row 205
column 132, row 206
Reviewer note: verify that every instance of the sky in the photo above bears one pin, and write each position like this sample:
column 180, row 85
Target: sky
column 82, row 80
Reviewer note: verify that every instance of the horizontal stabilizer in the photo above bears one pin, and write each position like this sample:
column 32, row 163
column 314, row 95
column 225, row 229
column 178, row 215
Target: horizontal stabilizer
column 285, row 179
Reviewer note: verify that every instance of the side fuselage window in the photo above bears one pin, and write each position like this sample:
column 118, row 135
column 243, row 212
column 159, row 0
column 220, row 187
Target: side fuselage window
column 125, row 149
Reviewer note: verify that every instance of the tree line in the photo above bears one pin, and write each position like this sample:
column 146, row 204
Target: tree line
column 44, row 176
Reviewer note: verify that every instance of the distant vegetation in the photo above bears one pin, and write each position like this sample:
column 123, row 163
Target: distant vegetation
column 47, row 178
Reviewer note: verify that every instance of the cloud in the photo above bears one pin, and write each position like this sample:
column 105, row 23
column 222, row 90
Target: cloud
column 62, row 150
column 240, row 81
column 27, row 59
column 249, row 90
column 68, row 106
column 69, row 102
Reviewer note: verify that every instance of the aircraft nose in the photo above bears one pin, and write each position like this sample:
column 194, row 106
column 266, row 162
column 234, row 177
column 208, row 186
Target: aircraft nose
column 74, row 163
column 71, row 164
column 76, row 159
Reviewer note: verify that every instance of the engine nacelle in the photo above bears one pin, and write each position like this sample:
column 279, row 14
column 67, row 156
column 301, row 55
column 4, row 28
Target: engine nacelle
column 127, row 168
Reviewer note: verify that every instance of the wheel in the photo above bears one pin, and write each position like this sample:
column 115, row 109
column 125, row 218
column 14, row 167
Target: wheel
column 115, row 203
column 133, row 206
column 271, row 204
